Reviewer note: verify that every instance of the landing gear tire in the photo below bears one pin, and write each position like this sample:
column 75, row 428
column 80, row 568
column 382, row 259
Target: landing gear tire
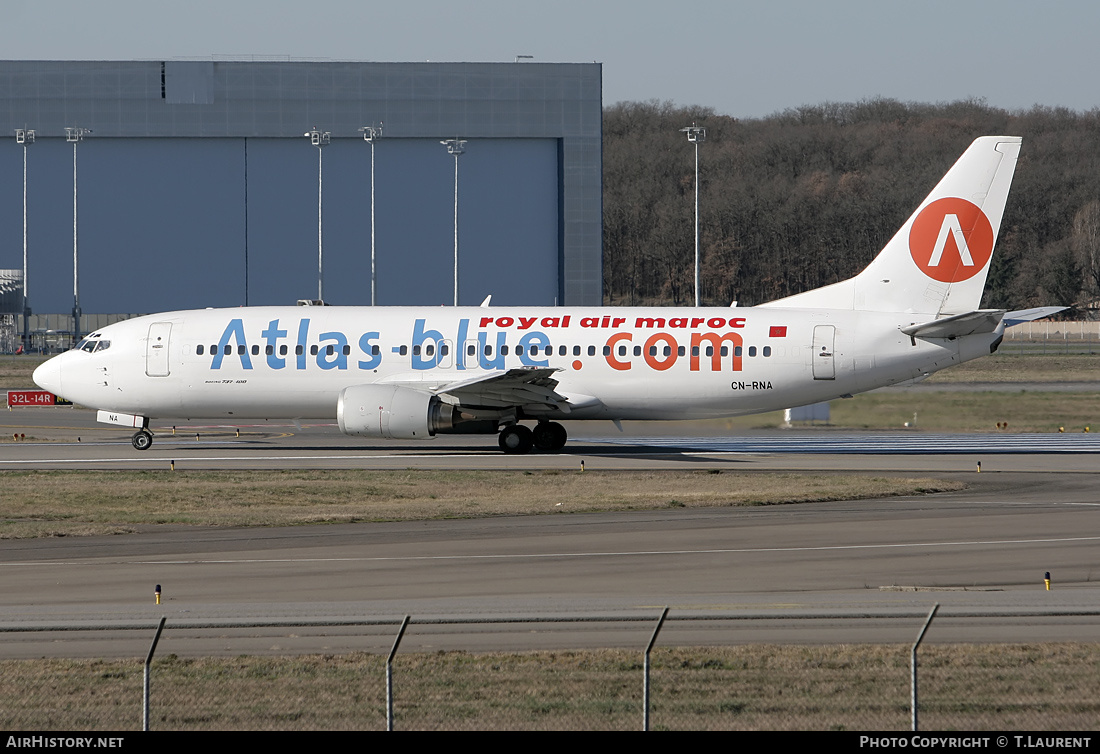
column 516, row 439
column 550, row 436
column 142, row 439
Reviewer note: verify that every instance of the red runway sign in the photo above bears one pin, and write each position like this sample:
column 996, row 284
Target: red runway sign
column 34, row 398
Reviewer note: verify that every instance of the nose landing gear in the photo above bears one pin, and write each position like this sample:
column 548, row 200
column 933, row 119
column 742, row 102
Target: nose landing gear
column 142, row 439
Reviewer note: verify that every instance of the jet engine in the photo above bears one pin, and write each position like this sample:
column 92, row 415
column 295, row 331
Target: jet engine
column 401, row 413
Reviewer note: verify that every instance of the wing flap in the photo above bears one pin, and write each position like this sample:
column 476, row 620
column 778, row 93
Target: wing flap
column 530, row 388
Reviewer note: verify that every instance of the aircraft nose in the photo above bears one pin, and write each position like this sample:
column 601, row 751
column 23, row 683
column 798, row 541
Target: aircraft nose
column 48, row 375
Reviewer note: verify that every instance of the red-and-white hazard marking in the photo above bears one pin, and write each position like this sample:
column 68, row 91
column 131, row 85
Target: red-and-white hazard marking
column 951, row 240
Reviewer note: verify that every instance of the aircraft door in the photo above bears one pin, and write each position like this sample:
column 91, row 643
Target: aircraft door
column 156, row 349
column 824, row 366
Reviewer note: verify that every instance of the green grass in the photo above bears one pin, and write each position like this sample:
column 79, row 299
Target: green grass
column 1023, row 411
column 1007, row 367
column 935, row 411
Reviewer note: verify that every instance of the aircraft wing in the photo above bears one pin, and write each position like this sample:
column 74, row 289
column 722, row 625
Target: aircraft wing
column 530, row 388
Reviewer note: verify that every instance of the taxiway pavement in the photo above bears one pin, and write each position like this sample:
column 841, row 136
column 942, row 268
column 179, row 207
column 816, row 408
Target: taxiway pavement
column 853, row 571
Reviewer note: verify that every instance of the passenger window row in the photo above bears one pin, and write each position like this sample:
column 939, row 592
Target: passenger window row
column 227, row 350
column 471, row 350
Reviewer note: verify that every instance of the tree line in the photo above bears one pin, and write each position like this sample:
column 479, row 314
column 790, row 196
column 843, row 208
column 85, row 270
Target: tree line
column 808, row 196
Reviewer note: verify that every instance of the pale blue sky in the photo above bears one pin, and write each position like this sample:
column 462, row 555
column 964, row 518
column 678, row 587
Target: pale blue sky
column 742, row 59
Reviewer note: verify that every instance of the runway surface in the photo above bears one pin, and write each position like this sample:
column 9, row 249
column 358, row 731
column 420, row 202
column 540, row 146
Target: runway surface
column 60, row 438
column 879, row 443
column 825, row 572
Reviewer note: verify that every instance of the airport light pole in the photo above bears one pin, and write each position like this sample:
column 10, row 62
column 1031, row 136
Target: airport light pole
column 319, row 139
column 456, row 147
column 75, row 135
column 370, row 133
column 696, row 135
column 25, row 137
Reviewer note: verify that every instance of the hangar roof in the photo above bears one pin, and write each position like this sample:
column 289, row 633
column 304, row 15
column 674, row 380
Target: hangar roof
column 208, row 98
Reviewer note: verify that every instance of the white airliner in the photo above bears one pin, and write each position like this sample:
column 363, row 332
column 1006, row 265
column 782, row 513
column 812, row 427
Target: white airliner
column 414, row 372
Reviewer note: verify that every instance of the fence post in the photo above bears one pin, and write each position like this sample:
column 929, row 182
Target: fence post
column 145, row 689
column 645, row 680
column 913, row 665
column 389, row 674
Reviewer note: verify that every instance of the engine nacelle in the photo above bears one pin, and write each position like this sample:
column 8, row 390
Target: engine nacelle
column 389, row 411
column 404, row 413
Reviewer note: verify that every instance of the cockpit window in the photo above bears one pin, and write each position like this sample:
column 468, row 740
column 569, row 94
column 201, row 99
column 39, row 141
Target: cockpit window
column 89, row 345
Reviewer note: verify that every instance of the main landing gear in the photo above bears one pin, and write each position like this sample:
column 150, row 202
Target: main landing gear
column 142, row 439
column 546, row 436
column 549, row 436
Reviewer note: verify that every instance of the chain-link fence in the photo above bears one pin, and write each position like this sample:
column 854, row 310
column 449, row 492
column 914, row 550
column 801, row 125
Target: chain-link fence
column 974, row 687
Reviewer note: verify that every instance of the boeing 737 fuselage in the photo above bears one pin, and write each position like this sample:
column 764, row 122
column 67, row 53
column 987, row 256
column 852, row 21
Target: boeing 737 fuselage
column 412, row 372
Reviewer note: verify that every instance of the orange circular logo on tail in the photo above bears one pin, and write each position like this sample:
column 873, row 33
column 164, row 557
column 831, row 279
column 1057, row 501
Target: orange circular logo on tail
column 951, row 240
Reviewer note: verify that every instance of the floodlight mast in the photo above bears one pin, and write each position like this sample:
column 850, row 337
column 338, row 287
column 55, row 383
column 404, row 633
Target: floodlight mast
column 696, row 135
column 456, row 147
column 370, row 133
column 74, row 135
column 319, row 139
column 25, row 136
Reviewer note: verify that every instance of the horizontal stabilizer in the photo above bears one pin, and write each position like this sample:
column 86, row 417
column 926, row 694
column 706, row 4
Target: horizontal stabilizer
column 1028, row 315
column 970, row 323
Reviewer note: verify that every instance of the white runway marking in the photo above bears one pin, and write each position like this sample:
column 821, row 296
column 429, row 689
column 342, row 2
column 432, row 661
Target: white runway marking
column 563, row 555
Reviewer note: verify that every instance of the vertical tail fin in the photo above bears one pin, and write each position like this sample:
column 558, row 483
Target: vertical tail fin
column 938, row 262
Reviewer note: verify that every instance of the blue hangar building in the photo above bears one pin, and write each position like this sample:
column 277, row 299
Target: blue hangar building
column 197, row 182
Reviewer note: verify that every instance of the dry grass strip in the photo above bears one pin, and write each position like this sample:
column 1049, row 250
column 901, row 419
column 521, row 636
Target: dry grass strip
column 62, row 503
column 759, row 687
